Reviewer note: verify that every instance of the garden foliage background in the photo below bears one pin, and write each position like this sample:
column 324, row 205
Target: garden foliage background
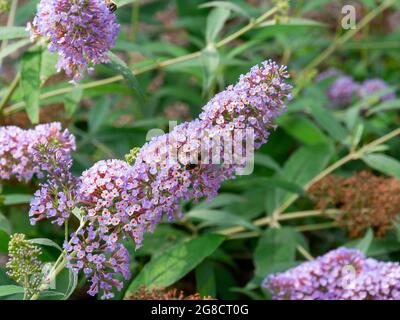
column 182, row 53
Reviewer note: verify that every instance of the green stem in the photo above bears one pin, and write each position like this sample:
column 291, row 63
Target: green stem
column 10, row 23
column 302, row 228
column 58, row 266
column 304, row 252
column 10, row 91
column 288, row 216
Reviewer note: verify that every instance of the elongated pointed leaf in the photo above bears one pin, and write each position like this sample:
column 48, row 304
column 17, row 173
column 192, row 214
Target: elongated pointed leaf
column 7, row 33
column 72, row 100
column 275, row 250
column 5, row 224
column 30, row 83
column 210, row 59
column 220, row 218
column 300, row 169
column 327, row 121
column 10, row 289
column 120, row 67
column 11, row 48
column 45, row 242
column 383, row 163
column 364, row 243
column 13, row 199
column 227, row 5
column 175, row 262
column 205, row 279
column 215, row 22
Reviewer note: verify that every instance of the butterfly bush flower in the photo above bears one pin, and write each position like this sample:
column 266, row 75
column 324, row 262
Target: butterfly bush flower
column 56, row 197
column 342, row 274
column 81, row 31
column 17, row 149
column 122, row 201
column 344, row 88
column 342, row 91
column 99, row 261
column 372, row 86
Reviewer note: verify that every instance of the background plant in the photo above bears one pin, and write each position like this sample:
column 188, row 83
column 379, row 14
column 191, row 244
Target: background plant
column 268, row 221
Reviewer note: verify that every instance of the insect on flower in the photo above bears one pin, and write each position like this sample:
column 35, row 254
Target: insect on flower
column 112, row 6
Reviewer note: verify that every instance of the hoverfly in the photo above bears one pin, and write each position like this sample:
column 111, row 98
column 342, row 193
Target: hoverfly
column 112, row 6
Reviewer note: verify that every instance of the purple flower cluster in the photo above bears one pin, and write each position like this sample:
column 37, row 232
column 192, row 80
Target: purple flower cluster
column 18, row 149
column 342, row 91
column 56, row 197
column 100, row 262
column 341, row 274
column 122, row 201
column 81, row 31
column 372, row 86
column 254, row 102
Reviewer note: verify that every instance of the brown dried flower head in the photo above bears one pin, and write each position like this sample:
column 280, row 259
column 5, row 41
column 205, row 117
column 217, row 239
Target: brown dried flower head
column 365, row 200
column 163, row 294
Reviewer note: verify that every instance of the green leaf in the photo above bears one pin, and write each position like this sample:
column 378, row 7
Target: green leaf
column 387, row 105
column 383, row 163
column 51, row 295
column 5, row 224
column 364, row 243
column 4, row 239
column 276, row 249
column 210, row 60
column 300, row 169
column 30, row 83
column 98, row 114
column 45, row 242
column 165, row 236
column 13, row 199
column 327, row 121
column 72, row 284
column 175, row 262
column 294, row 22
column 48, row 65
column 119, row 66
column 219, row 218
column 306, row 163
column 266, row 161
column 220, row 201
column 205, row 279
column 121, row 3
column 227, row 5
column 397, row 229
column 10, row 289
column 215, row 22
column 7, row 33
column 11, row 48
column 280, row 183
column 302, row 129
column 72, row 100
column 78, row 213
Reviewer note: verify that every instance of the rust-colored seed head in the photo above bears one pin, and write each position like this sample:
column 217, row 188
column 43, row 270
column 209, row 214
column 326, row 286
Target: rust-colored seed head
column 163, row 294
column 366, row 201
